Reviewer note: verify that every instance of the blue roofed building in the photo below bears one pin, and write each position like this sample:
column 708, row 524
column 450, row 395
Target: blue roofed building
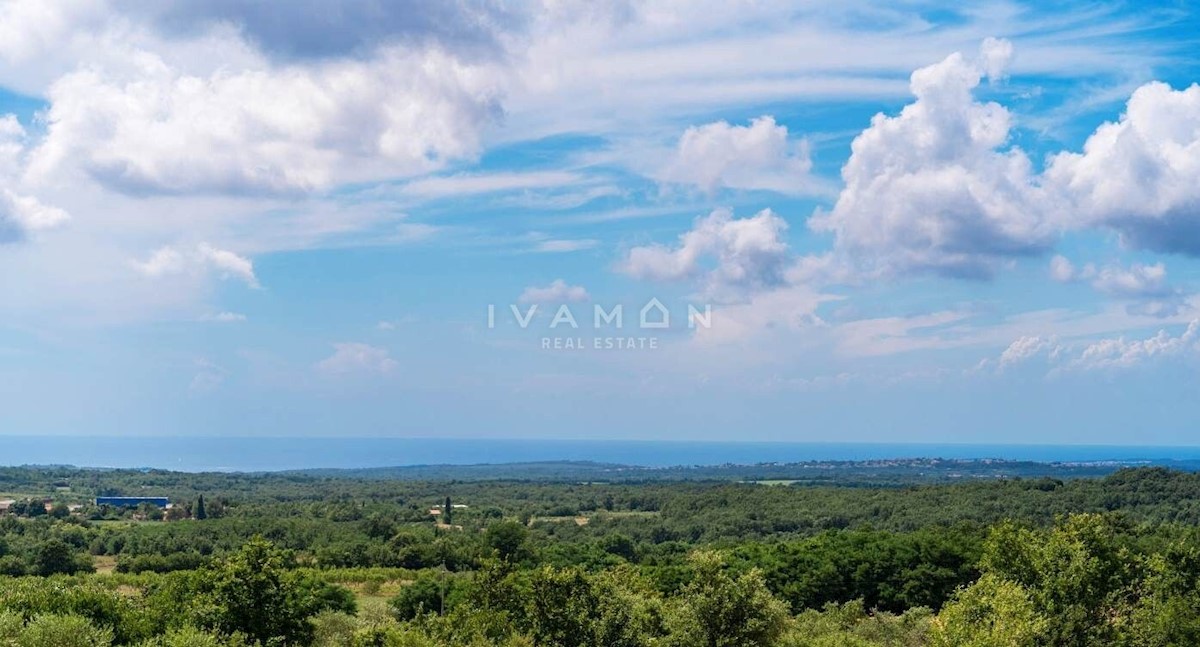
column 132, row 501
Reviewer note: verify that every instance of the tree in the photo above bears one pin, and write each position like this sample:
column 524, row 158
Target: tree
column 54, row 556
column 1080, row 575
column 508, row 539
column 200, row 514
column 63, row 631
column 620, row 545
column 187, row 637
column 448, row 511
column 254, row 592
column 561, row 608
column 720, row 609
column 429, row 593
column 992, row 612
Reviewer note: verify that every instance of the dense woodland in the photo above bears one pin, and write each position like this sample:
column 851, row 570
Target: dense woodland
column 864, row 555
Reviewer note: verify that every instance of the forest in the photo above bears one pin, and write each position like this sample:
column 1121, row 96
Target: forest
column 865, row 555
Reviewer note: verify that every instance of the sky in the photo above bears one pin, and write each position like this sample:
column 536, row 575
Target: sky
column 687, row 220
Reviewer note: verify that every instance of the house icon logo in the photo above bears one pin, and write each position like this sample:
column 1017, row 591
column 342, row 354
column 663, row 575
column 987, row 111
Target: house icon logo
column 654, row 315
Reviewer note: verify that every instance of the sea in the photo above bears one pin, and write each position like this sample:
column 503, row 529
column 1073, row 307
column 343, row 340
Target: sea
column 260, row 454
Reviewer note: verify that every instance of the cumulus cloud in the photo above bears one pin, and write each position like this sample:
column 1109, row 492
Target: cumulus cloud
column 1062, row 269
column 733, row 255
column 1122, row 353
column 170, row 261
column 21, row 214
column 1145, row 285
column 355, row 357
column 152, row 126
column 1111, row 353
column 1027, row 348
column 557, row 292
column 1137, row 281
column 12, row 144
column 757, row 156
column 1140, row 175
column 936, row 188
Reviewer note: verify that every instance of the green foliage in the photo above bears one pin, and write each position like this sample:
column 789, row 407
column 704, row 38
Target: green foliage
column 721, row 609
column 614, row 564
column 254, row 592
column 55, row 556
column 11, row 625
column 508, row 539
column 429, row 593
column 63, row 631
column 186, row 637
column 851, row 625
column 993, row 612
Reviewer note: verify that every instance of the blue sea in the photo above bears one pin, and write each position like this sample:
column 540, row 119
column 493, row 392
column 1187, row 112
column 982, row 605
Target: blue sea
column 246, row 454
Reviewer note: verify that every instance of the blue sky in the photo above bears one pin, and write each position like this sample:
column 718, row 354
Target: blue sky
column 909, row 221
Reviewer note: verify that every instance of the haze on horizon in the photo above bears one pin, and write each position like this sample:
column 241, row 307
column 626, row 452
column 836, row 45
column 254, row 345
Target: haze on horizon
column 869, row 222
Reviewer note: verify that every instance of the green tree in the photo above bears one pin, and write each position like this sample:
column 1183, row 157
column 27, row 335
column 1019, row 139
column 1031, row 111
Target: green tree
column 508, row 539
column 720, row 609
column 424, row 595
column 11, row 626
column 200, row 513
column 561, row 608
column 1081, row 576
column 448, row 511
column 992, row 612
column 63, row 631
column 187, row 637
column 253, row 592
column 54, row 556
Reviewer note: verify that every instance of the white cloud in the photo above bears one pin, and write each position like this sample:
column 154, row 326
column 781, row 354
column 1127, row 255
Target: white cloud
column 935, row 188
column 784, row 311
column 1062, row 269
column 559, row 246
column 757, row 156
column 12, row 144
column 477, row 183
column 1121, row 353
column 21, row 214
column 354, row 357
column 1141, row 174
column 169, row 261
column 152, row 126
column 227, row 317
column 557, row 292
column 733, row 255
column 1138, row 281
column 1027, row 348
column 1145, row 285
